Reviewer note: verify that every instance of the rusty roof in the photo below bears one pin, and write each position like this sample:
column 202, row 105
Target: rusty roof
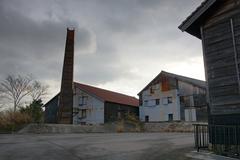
column 108, row 96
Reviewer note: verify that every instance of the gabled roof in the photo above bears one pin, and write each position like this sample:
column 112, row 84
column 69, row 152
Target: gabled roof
column 108, row 96
column 105, row 95
column 196, row 82
column 51, row 100
column 194, row 20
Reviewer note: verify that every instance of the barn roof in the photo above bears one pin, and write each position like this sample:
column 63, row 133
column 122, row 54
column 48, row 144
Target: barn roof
column 192, row 23
column 196, row 82
column 107, row 95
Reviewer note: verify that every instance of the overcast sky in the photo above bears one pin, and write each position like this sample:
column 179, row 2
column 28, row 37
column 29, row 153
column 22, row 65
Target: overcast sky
column 121, row 45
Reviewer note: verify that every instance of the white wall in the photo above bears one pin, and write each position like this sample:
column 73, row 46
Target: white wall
column 190, row 115
column 159, row 112
column 94, row 109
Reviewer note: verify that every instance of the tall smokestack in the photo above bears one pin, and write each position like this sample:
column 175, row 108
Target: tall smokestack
column 66, row 94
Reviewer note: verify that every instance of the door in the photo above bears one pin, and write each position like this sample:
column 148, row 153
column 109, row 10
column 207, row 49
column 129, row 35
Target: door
column 170, row 117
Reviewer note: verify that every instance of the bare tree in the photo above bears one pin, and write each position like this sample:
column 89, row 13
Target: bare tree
column 16, row 88
column 38, row 90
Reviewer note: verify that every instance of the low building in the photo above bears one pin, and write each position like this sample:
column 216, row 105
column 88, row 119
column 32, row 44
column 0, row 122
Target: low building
column 171, row 97
column 92, row 105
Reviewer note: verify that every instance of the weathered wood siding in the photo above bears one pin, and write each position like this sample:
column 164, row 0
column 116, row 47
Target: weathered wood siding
column 114, row 111
column 221, row 41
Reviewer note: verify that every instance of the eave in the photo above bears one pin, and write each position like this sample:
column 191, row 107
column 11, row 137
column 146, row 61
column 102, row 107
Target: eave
column 192, row 23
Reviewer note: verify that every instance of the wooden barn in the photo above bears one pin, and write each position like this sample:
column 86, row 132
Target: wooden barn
column 217, row 24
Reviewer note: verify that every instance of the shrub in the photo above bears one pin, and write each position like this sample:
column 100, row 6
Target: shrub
column 12, row 121
column 120, row 126
column 134, row 120
column 129, row 123
column 34, row 110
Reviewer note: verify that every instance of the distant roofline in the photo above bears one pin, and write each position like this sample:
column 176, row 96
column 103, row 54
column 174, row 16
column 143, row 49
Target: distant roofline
column 179, row 77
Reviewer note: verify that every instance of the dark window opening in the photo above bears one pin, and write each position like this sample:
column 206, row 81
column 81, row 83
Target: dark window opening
column 151, row 90
column 146, row 118
column 169, row 100
column 170, row 117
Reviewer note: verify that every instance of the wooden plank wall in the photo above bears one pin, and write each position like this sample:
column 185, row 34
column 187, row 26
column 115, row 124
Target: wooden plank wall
column 222, row 57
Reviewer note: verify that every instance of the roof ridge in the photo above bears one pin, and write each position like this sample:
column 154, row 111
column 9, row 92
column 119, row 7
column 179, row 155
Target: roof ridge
column 105, row 89
column 175, row 75
column 184, row 76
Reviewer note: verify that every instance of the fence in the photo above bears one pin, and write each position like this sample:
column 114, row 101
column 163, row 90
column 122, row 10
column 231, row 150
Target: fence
column 201, row 136
column 222, row 139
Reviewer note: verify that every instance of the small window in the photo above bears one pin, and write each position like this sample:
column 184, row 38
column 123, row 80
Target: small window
column 157, row 101
column 146, row 118
column 83, row 100
column 151, row 90
column 84, row 113
column 169, row 100
column 170, row 117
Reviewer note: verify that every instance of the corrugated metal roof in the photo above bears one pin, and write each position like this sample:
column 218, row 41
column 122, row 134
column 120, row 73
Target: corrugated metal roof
column 108, row 96
column 193, row 81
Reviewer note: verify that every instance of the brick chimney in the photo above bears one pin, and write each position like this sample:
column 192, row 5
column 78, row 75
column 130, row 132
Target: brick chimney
column 66, row 95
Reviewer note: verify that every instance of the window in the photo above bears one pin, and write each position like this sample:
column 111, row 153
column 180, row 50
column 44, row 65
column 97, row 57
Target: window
column 83, row 100
column 169, row 100
column 151, row 90
column 83, row 113
column 170, row 117
column 157, row 101
column 146, row 118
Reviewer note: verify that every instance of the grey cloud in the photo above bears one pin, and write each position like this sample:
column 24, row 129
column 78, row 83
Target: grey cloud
column 28, row 46
column 112, row 36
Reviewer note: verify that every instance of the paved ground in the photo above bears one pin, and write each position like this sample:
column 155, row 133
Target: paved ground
column 122, row 146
